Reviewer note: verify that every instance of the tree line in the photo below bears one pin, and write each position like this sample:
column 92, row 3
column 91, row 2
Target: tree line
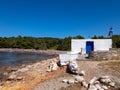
column 23, row 42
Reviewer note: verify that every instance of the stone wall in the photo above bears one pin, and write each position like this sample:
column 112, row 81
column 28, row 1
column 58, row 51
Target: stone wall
column 112, row 54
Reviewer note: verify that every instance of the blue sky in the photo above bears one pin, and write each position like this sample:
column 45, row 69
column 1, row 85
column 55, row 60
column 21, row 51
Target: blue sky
column 59, row 18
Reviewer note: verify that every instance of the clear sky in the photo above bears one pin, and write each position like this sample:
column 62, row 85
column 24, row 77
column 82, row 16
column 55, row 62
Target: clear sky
column 59, row 18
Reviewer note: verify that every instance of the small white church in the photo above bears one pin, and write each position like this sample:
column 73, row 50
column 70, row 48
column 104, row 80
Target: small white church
column 84, row 46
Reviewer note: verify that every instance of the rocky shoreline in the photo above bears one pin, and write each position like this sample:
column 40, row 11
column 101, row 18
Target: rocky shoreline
column 20, row 75
column 50, row 52
column 25, row 77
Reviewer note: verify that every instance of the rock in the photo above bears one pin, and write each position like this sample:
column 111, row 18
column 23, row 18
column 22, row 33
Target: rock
column 1, row 87
column 112, row 84
column 29, row 66
column 105, row 81
column 19, row 78
column 14, row 69
column 105, row 87
column 93, row 80
column 23, row 69
column 48, row 70
column 96, row 82
column 65, row 81
column 52, row 66
column 36, row 65
column 12, row 77
column 71, row 81
column 5, row 73
column 98, row 86
column 84, row 84
column 104, row 77
column 79, row 78
column 73, row 67
column 82, row 73
column 92, row 87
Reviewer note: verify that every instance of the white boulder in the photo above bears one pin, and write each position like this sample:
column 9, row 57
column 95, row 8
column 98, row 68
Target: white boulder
column 73, row 67
column 52, row 66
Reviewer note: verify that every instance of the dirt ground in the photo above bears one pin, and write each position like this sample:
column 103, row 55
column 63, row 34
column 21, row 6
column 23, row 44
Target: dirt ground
column 91, row 68
column 36, row 77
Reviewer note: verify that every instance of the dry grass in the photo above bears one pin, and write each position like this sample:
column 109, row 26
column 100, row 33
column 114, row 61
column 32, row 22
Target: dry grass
column 76, row 86
column 112, row 67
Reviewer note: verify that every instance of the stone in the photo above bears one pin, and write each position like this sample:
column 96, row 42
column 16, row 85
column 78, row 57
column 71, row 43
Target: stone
column 96, row 82
column 1, row 87
column 5, row 73
column 104, row 77
column 105, row 81
column 23, row 69
column 93, row 80
column 29, row 66
column 12, row 77
column 19, row 78
column 92, row 87
column 48, row 70
column 53, row 66
column 65, row 81
column 84, row 84
column 14, row 69
column 105, row 87
column 112, row 84
column 71, row 81
column 82, row 73
column 73, row 67
column 79, row 78
column 36, row 65
column 98, row 86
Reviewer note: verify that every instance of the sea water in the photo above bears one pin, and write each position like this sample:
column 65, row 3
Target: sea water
column 14, row 58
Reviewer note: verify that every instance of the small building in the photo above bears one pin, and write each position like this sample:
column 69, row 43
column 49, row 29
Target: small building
column 84, row 46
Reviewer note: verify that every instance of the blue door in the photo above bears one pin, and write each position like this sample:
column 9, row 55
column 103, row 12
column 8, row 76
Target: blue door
column 89, row 46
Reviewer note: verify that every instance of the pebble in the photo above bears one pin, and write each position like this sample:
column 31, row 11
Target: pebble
column 105, row 87
column 82, row 73
column 93, row 80
column 65, row 81
column 92, row 87
column 84, row 84
column 12, row 77
column 71, row 81
column 112, row 84
column 1, row 87
column 79, row 78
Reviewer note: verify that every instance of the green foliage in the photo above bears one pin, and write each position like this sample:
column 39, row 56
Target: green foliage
column 98, row 37
column 116, row 41
column 47, row 43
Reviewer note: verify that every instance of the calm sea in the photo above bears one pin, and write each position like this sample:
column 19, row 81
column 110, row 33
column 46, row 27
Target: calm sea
column 14, row 58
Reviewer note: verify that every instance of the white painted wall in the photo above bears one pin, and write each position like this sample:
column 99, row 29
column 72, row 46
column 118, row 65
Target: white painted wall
column 79, row 45
column 66, row 58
